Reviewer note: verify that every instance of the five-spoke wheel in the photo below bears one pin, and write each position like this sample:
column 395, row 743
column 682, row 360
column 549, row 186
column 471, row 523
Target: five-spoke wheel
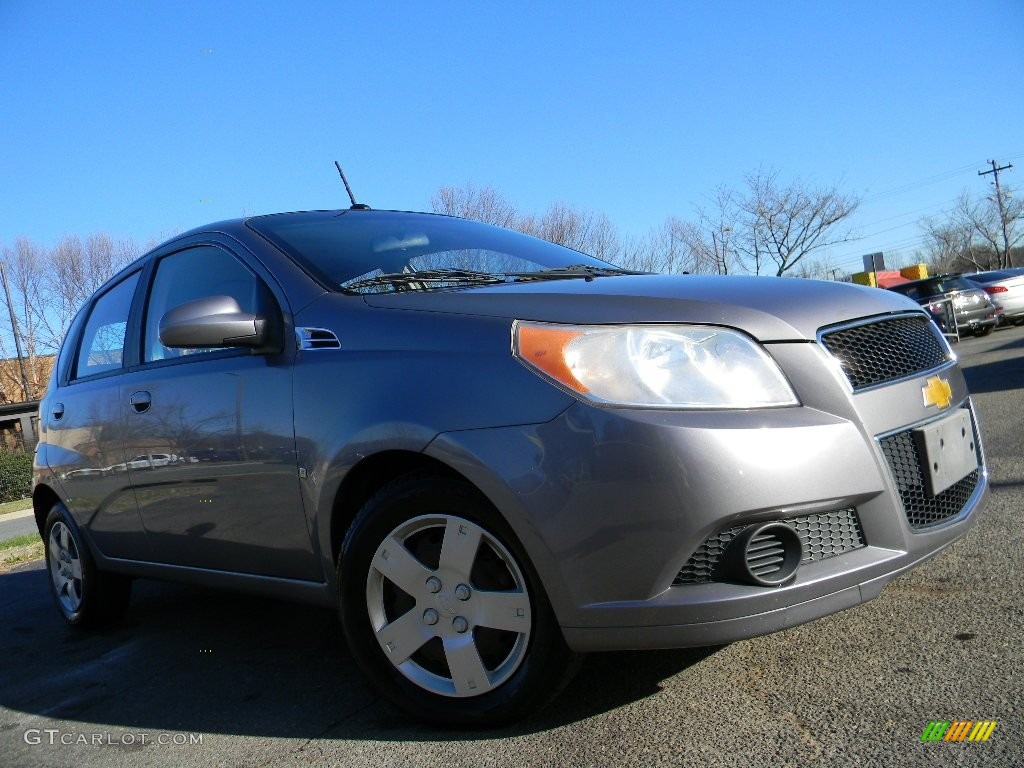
column 443, row 610
column 84, row 595
column 65, row 567
column 449, row 605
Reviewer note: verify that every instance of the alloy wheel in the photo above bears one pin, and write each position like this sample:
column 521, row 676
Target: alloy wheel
column 65, row 568
column 449, row 605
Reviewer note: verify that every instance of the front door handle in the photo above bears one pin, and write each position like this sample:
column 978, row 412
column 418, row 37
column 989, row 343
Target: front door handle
column 58, row 411
column 141, row 401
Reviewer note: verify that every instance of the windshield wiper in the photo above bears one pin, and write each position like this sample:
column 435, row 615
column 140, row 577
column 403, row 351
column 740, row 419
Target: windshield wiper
column 399, row 280
column 444, row 278
column 586, row 271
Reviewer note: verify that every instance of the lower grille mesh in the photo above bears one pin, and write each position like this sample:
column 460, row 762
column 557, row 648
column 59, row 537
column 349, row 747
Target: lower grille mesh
column 921, row 509
column 822, row 536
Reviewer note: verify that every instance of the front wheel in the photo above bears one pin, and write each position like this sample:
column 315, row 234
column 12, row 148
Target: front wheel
column 442, row 609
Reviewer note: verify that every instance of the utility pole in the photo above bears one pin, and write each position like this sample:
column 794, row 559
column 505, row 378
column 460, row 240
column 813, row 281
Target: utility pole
column 996, row 168
column 16, row 332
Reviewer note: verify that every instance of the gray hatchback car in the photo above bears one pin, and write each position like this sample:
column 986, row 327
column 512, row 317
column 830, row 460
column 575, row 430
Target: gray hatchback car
column 492, row 453
column 972, row 309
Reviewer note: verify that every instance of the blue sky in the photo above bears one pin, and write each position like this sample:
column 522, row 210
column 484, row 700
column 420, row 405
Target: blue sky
column 128, row 117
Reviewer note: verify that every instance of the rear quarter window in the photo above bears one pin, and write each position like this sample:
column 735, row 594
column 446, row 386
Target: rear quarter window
column 102, row 344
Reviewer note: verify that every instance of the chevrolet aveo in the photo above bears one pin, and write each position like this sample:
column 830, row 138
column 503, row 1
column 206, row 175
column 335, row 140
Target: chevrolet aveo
column 493, row 453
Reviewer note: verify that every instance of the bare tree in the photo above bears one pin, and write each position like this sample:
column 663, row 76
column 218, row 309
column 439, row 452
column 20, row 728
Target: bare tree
column 484, row 204
column 821, row 268
column 48, row 286
column 646, row 253
column 74, row 269
column 711, row 239
column 603, row 241
column 783, row 224
column 994, row 224
column 975, row 234
column 767, row 225
column 24, row 265
column 641, row 254
column 584, row 231
column 949, row 244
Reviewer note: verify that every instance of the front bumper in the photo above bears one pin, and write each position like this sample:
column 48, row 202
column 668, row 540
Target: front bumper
column 610, row 503
column 722, row 631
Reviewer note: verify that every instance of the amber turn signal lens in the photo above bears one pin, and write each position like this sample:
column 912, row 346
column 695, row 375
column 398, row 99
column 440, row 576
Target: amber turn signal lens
column 543, row 347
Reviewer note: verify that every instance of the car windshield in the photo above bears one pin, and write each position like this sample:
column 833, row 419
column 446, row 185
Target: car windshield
column 383, row 251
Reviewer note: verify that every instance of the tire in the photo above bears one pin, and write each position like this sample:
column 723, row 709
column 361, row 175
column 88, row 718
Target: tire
column 85, row 596
column 469, row 600
column 984, row 331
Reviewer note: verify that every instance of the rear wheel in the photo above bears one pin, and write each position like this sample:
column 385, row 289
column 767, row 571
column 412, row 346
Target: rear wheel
column 984, row 331
column 84, row 595
column 442, row 609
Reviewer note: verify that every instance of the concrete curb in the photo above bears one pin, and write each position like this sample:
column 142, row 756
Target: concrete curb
column 17, row 515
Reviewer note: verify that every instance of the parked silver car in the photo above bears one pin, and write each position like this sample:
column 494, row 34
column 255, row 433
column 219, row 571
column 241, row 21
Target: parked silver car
column 1006, row 289
column 491, row 453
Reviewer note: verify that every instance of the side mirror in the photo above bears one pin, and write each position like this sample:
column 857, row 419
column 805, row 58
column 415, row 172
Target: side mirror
column 214, row 321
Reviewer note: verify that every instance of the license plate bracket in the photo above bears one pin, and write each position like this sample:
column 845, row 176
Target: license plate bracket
column 948, row 451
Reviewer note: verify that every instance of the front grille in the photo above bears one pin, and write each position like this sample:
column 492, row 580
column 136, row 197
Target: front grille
column 921, row 509
column 823, row 536
column 888, row 350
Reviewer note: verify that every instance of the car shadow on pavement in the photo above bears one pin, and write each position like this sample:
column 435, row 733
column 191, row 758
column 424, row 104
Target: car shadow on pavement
column 605, row 682
column 998, row 375
column 192, row 660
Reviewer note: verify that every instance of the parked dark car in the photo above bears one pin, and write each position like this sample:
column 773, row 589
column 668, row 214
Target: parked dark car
column 499, row 452
column 972, row 308
column 1006, row 289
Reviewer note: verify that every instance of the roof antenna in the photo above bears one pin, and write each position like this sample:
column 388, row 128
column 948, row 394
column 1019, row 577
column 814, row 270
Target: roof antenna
column 355, row 206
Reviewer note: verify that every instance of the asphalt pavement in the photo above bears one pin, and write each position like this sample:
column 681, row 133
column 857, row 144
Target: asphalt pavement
column 196, row 677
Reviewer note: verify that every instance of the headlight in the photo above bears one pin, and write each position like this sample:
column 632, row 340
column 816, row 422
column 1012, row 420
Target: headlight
column 659, row 366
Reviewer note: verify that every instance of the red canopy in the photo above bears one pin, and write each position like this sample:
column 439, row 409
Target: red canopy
column 889, row 279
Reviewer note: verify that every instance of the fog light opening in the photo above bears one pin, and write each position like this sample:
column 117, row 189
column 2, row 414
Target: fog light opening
column 765, row 555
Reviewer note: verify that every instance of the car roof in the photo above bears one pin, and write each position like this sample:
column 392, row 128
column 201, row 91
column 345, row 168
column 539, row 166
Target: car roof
column 925, row 280
column 241, row 222
column 993, row 275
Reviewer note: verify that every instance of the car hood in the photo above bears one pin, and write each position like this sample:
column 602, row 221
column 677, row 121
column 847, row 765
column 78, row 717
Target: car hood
column 768, row 308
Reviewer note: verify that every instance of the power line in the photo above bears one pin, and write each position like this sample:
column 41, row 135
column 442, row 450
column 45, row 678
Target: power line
column 904, row 188
column 900, row 216
column 888, row 248
column 914, row 212
column 941, row 176
column 922, row 240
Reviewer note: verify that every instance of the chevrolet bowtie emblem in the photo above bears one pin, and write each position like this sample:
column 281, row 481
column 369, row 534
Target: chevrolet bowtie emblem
column 937, row 392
